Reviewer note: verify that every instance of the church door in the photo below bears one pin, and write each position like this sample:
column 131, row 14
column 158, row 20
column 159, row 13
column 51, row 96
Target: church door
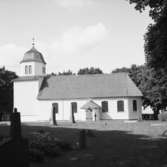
column 89, row 116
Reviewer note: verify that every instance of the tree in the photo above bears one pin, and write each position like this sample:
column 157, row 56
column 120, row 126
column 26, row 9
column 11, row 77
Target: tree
column 90, row 70
column 6, row 90
column 69, row 72
column 146, row 80
column 135, row 72
column 123, row 69
column 156, row 7
column 156, row 50
column 156, row 44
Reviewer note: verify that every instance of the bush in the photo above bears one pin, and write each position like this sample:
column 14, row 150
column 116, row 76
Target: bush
column 51, row 150
column 163, row 116
column 36, row 155
column 46, row 143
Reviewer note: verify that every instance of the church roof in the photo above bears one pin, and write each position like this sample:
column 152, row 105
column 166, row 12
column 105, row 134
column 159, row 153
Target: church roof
column 87, row 86
column 33, row 55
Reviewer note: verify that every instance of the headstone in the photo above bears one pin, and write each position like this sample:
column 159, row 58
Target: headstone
column 15, row 151
column 82, row 139
column 15, row 127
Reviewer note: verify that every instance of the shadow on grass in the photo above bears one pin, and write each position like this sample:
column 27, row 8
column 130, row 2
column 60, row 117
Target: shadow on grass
column 106, row 148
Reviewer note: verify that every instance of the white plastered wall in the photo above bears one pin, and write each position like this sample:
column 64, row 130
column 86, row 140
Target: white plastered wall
column 135, row 114
column 64, row 113
column 25, row 99
column 36, row 68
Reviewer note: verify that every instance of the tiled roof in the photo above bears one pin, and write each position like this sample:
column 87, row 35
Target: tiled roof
column 87, row 86
column 33, row 55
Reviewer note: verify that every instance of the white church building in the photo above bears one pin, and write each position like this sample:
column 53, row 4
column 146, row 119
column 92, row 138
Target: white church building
column 89, row 97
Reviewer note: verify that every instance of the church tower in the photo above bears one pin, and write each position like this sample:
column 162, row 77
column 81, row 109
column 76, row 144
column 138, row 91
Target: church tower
column 33, row 63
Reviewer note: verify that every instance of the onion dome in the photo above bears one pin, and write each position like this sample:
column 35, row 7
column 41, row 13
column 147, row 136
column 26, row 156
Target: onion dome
column 33, row 55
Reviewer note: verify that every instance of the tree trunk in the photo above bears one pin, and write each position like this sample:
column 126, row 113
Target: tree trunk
column 156, row 112
column 54, row 117
column 73, row 117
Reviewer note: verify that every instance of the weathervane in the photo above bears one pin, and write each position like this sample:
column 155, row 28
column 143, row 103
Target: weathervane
column 33, row 41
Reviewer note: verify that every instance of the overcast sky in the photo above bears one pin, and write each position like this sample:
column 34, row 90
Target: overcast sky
column 72, row 34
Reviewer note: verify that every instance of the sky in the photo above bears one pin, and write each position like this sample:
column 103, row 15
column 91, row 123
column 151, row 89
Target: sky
column 73, row 34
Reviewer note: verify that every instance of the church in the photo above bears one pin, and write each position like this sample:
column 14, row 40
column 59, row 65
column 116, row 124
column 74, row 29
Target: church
column 39, row 96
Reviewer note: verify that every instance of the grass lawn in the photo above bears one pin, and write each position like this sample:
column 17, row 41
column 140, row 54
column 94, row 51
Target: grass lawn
column 114, row 144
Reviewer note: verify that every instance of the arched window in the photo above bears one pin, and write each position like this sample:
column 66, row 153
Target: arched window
column 134, row 105
column 30, row 69
column 104, row 105
column 26, row 69
column 120, row 106
column 74, row 107
column 55, row 107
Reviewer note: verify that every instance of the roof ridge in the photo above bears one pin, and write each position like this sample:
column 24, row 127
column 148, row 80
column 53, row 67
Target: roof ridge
column 90, row 75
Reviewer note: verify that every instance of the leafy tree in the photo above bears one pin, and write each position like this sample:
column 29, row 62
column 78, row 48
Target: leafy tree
column 156, row 50
column 6, row 90
column 69, row 72
column 135, row 72
column 156, row 7
column 90, row 70
column 123, row 69
column 145, row 80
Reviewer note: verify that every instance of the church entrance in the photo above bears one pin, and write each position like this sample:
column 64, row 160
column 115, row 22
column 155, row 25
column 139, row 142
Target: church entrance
column 92, row 110
column 89, row 114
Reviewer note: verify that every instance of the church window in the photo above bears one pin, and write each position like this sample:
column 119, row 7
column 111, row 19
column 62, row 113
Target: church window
column 104, row 105
column 120, row 106
column 74, row 107
column 26, row 69
column 55, row 108
column 30, row 69
column 134, row 105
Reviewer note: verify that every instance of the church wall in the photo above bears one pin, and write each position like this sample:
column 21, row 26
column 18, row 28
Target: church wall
column 38, row 68
column 25, row 99
column 135, row 114
column 45, row 108
column 22, row 70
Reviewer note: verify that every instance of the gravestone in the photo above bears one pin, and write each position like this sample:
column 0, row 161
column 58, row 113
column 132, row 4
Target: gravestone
column 14, row 152
column 15, row 127
column 82, row 139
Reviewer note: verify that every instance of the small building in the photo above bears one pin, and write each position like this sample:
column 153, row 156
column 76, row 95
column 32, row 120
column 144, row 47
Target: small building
column 89, row 97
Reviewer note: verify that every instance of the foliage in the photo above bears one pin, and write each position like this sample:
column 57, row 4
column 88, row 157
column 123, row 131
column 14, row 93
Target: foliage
column 91, row 70
column 162, row 116
column 6, row 90
column 45, row 144
column 156, row 51
column 69, row 72
column 155, row 44
column 36, row 155
column 156, row 7
column 148, row 82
